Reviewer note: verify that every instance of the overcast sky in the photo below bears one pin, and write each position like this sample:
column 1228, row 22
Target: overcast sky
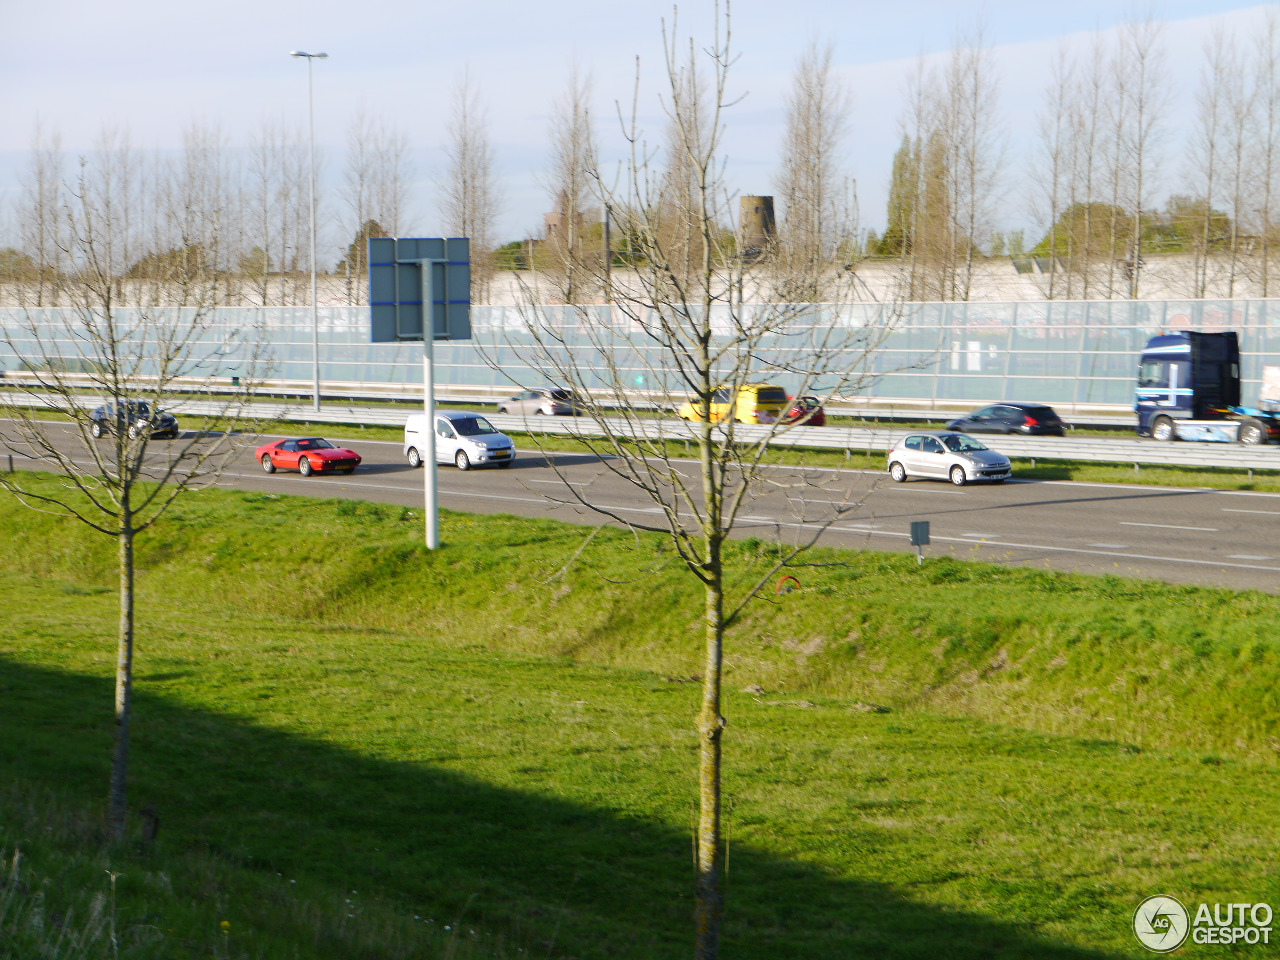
column 154, row 67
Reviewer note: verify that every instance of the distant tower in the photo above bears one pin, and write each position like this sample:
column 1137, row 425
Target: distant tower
column 756, row 226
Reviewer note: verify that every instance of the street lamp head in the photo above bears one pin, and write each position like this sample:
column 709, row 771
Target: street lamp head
column 309, row 56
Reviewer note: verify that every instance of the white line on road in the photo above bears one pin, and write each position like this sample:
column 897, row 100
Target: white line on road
column 1109, row 546
column 1166, row 526
column 1265, row 513
column 1246, row 556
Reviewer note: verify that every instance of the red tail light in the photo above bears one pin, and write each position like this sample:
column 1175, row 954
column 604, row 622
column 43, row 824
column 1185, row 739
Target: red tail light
column 1031, row 422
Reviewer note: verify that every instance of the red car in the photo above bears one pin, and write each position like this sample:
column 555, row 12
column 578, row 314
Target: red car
column 807, row 410
column 307, row 455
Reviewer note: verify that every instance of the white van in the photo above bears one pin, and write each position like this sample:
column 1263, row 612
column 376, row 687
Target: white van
column 464, row 439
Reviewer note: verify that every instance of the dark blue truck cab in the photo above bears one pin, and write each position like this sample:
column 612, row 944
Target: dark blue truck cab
column 1189, row 389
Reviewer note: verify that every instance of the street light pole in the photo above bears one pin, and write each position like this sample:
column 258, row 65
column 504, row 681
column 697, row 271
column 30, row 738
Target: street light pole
column 311, row 198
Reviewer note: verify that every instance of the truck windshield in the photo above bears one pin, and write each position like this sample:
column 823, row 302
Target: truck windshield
column 1153, row 373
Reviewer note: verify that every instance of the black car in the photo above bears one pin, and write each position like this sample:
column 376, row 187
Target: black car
column 1033, row 419
column 132, row 418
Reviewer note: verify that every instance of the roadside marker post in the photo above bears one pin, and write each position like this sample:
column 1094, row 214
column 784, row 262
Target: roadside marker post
column 919, row 539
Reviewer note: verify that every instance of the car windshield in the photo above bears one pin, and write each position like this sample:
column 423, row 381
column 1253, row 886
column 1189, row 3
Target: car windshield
column 959, row 443
column 771, row 395
column 137, row 408
column 562, row 395
column 473, row 426
column 315, row 443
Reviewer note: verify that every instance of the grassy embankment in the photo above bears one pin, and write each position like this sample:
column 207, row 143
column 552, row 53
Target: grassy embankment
column 358, row 749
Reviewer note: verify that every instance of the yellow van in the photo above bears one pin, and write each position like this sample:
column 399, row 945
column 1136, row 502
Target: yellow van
column 754, row 403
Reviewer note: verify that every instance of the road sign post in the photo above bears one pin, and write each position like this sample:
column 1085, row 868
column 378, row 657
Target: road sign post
column 420, row 288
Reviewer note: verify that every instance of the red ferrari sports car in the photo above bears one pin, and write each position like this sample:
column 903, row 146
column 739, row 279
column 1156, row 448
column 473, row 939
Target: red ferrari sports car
column 307, row 455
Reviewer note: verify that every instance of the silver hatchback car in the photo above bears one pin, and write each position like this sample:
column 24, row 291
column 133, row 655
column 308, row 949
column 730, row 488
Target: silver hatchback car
column 940, row 455
column 551, row 403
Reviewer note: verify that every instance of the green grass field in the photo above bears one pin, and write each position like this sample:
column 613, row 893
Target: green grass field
column 360, row 749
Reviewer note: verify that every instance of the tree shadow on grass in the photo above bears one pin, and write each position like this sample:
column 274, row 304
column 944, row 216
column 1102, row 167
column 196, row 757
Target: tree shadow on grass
column 571, row 880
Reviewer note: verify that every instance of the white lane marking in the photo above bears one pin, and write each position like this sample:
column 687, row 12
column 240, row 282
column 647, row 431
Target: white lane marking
column 1247, row 556
column 1265, row 513
column 982, row 536
column 1166, row 526
column 1006, row 545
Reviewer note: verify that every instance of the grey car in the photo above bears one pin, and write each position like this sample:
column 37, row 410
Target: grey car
column 939, row 455
column 551, row 403
column 132, row 418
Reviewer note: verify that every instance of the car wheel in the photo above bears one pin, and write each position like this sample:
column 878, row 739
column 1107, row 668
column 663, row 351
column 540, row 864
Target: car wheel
column 461, row 461
column 502, row 409
column 414, row 458
column 95, row 430
column 897, row 472
column 1162, row 429
column 304, row 467
column 133, row 433
column 957, row 476
column 1251, row 432
column 539, row 412
column 267, row 465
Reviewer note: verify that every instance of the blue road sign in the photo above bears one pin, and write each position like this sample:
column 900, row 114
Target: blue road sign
column 406, row 272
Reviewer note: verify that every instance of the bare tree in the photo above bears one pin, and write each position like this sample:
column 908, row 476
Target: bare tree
column 356, row 196
column 570, row 248
column 1239, row 108
column 373, row 194
column 1052, row 175
column 1267, row 93
column 921, row 194
column 709, row 336
column 112, row 359
column 1088, row 152
column 278, row 221
column 816, row 219
column 1140, row 95
column 469, row 194
column 1205, row 153
column 41, row 187
column 392, row 175
column 974, row 149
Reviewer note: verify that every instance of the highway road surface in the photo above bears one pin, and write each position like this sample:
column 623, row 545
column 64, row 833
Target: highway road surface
column 1178, row 535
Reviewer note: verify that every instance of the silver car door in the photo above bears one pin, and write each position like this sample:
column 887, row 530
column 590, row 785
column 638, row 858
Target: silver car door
column 933, row 458
column 446, row 441
column 912, row 456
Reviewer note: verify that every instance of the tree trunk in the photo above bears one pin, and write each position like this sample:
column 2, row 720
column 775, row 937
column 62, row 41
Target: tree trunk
column 116, row 809
column 710, row 727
